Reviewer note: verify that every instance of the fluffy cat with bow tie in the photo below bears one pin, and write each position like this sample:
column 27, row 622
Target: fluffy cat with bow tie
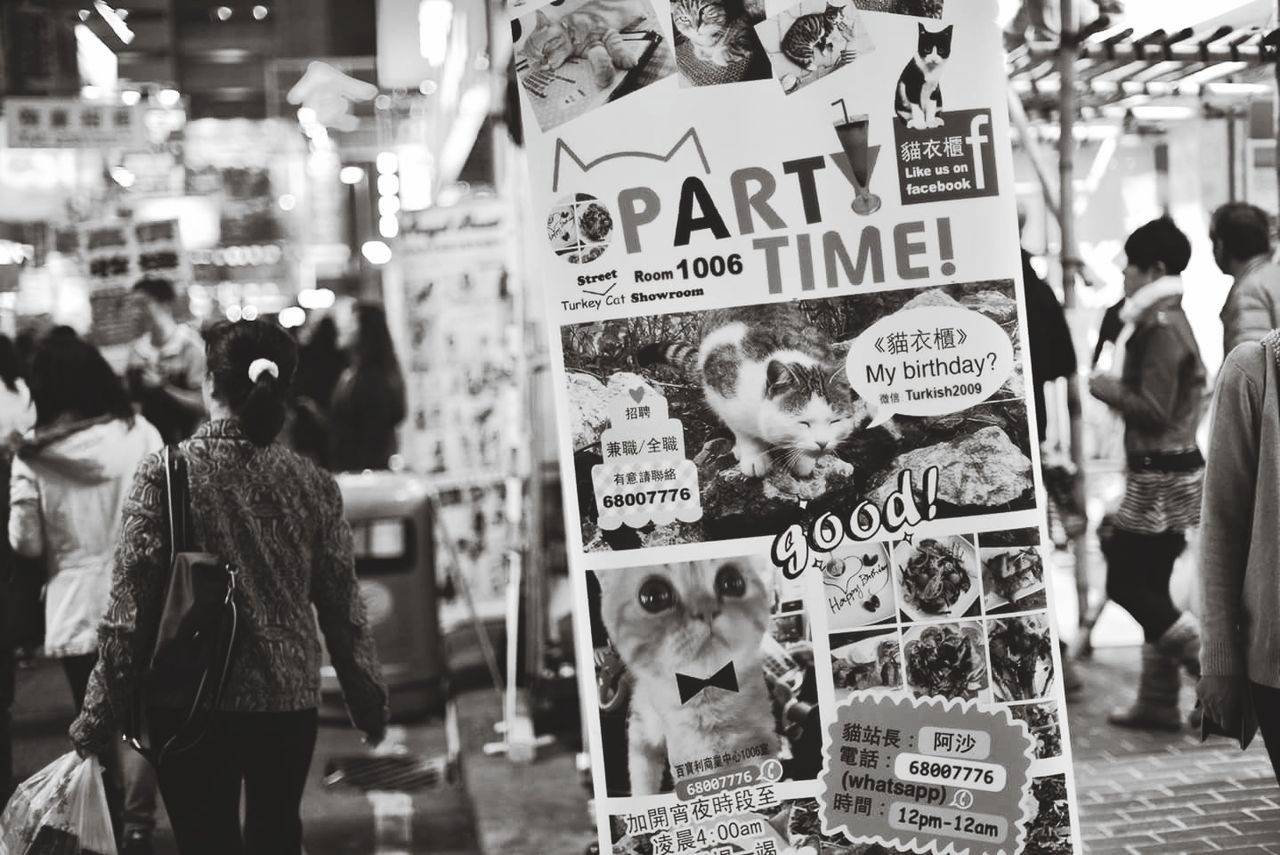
column 691, row 618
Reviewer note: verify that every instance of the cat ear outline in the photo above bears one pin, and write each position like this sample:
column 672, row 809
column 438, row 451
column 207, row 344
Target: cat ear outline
column 778, row 375
column 945, row 31
column 923, row 31
column 542, row 19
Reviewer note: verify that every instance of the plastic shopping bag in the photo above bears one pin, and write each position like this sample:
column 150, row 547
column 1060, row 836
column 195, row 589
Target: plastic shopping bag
column 60, row 810
column 1184, row 584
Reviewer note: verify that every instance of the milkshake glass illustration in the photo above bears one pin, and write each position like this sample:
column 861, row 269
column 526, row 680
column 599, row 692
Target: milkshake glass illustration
column 852, row 132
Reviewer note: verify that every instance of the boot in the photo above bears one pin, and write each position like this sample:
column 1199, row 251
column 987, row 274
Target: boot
column 1156, row 707
column 1181, row 642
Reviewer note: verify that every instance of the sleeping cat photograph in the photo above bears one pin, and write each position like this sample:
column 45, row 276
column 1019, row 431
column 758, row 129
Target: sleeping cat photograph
column 716, row 41
column 772, row 424
column 578, row 56
column 698, row 668
column 812, row 40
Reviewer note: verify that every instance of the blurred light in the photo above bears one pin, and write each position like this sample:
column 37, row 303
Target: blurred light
column 376, row 252
column 316, row 298
column 307, row 115
column 388, row 206
column 388, row 185
column 168, row 97
column 388, row 227
column 1163, row 112
column 123, row 13
column 351, row 175
column 293, row 316
column 387, row 162
column 260, row 12
column 250, row 313
column 122, row 176
column 287, row 202
column 482, row 62
column 84, row 14
column 428, row 87
column 435, row 21
column 382, row 102
column 224, row 13
column 92, row 93
column 130, row 97
column 233, row 313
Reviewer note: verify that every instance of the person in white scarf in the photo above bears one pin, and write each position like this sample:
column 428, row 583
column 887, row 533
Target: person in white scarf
column 1156, row 384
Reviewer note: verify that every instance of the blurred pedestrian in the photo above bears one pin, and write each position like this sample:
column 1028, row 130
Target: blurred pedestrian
column 1240, row 546
column 1241, row 235
column 369, row 400
column 67, row 490
column 16, row 416
column 166, row 366
column 278, row 519
column 320, row 363
column 1157, row 391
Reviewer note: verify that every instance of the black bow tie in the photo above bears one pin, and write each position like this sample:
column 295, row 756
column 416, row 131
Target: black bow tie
column 725, row 679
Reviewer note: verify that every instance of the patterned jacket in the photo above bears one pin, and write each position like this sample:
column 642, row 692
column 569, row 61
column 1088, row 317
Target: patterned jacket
column 279, row 519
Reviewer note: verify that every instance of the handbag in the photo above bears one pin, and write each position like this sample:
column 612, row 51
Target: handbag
column 196, row 636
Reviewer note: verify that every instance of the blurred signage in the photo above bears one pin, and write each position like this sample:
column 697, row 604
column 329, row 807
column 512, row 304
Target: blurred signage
column 473, row 227
column 238, row 256
column 413, row 39
column 72, row 123
column 117, row 253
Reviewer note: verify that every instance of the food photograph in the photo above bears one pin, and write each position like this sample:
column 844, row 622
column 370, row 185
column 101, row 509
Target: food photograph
column 866, row 661
column 1021, row 657
column 856, row 586
column 937, row 578
column 1011, row 578
column 946, row 660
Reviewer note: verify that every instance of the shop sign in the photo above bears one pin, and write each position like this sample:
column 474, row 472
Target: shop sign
column 806, row 544
column 72, row 123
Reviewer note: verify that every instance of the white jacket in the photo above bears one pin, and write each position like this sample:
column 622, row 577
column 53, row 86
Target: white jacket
column 66, row 501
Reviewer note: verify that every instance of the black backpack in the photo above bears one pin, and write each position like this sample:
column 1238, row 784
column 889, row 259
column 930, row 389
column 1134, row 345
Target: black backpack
column 195, row 639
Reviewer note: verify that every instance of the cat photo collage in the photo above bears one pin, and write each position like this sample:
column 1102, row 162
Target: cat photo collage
column 771, row 422
column 956, row 616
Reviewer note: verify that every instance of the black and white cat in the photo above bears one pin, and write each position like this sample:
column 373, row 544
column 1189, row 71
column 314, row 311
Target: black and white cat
column 918, row 100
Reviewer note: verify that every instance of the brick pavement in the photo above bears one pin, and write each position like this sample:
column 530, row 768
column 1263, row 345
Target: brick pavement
column 1164, row 793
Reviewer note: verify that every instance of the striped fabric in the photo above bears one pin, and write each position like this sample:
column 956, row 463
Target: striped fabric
column 1156, row 502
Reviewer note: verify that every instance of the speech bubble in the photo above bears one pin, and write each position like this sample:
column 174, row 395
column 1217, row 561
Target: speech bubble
column 929, row 361
column 963, row 799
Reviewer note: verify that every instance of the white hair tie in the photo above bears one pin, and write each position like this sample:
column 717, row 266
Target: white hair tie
column 260, row 365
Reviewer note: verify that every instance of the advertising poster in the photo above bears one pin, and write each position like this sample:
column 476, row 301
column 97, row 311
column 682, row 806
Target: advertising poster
column 780, row 255
column 457, row 312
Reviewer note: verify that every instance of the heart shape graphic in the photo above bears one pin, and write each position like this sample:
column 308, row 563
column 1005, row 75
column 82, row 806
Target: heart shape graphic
column 637, row 394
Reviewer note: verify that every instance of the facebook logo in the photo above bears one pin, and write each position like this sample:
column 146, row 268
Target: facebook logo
column 954, row 161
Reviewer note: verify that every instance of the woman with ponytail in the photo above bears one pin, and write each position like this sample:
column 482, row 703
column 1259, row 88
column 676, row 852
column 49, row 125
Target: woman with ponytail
column 278, row 519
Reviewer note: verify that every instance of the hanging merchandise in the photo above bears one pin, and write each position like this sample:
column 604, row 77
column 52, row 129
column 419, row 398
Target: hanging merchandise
column 788, row 344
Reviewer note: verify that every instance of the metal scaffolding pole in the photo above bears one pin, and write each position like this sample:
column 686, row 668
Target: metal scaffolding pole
column 1068, row 48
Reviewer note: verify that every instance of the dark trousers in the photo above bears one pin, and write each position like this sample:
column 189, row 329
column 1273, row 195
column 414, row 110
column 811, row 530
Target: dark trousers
column 268, row 753
column 1138, row 570
column 1266, row 703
